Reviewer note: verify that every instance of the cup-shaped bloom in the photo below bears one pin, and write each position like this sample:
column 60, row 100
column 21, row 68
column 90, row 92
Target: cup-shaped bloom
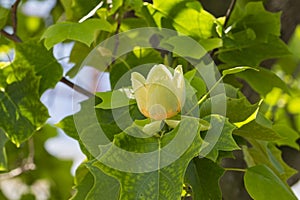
column 162, row 94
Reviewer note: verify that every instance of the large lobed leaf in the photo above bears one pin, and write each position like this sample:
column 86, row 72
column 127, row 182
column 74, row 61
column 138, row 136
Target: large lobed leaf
column 83, row 32
column 254, row 33
column 163, row 183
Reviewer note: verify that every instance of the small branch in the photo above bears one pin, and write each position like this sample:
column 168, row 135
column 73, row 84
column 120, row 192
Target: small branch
column 14, row 37
column 14, row 15
column 76, row 87
column 229, row 11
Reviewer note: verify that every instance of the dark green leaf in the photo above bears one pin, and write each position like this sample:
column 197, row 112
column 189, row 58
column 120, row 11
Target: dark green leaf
column 268, row 154
column 263, row 81
column 219, row 137
column 203, row 176
column 3, row 158
column 237, row 110
column 289, row 135
column 257, row 131
column 262, row 183
column 237, row 52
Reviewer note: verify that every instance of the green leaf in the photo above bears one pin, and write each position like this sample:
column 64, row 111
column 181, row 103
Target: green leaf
column 237, row 52
column 262, row 183
column 262, row 22
column 267, row 154
column 3, row 158
column 33, row 54
column 263, row 81
column 289, row 136
column 84, row 181
column 21, row 112
column 83, row 32
column 114, row 99
column 76, row 9
column 92, row 183
column 104, row 185
column 203, row 176
column 257, row 131
column 237, row 110
column 187, row 17
column 236, row 70
column 3, row 16
column 254, row 33
column 219, row 137
column 163, row 183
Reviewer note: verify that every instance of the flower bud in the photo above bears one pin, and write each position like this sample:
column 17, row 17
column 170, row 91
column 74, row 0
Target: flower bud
column 162, row 94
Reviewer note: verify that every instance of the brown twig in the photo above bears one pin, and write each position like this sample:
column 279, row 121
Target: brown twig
column 76, row 87
column 14, row 37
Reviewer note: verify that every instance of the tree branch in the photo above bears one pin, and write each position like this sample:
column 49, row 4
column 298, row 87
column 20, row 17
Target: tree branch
column 229, row 11
column 76, row 87
column 14, row 37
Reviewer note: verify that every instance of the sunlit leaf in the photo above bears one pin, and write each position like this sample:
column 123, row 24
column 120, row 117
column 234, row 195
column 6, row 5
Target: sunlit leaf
column 83, row 32
column 21, row 111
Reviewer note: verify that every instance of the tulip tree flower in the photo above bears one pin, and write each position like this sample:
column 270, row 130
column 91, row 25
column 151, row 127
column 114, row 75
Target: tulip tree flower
column 162, row 94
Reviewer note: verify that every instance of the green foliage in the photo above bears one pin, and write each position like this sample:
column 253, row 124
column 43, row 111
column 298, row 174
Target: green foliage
column 123, row 161
column 261, row 182
column 73, row 31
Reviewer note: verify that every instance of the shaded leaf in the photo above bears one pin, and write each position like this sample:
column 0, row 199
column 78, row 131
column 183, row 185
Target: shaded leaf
column 219, row 137
column 203, row 176
column 262, row 183
column 3, row 158
column 237, row 110
column 289, row 136
column 263, row 81
column 257, row 131
column 267, row 154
